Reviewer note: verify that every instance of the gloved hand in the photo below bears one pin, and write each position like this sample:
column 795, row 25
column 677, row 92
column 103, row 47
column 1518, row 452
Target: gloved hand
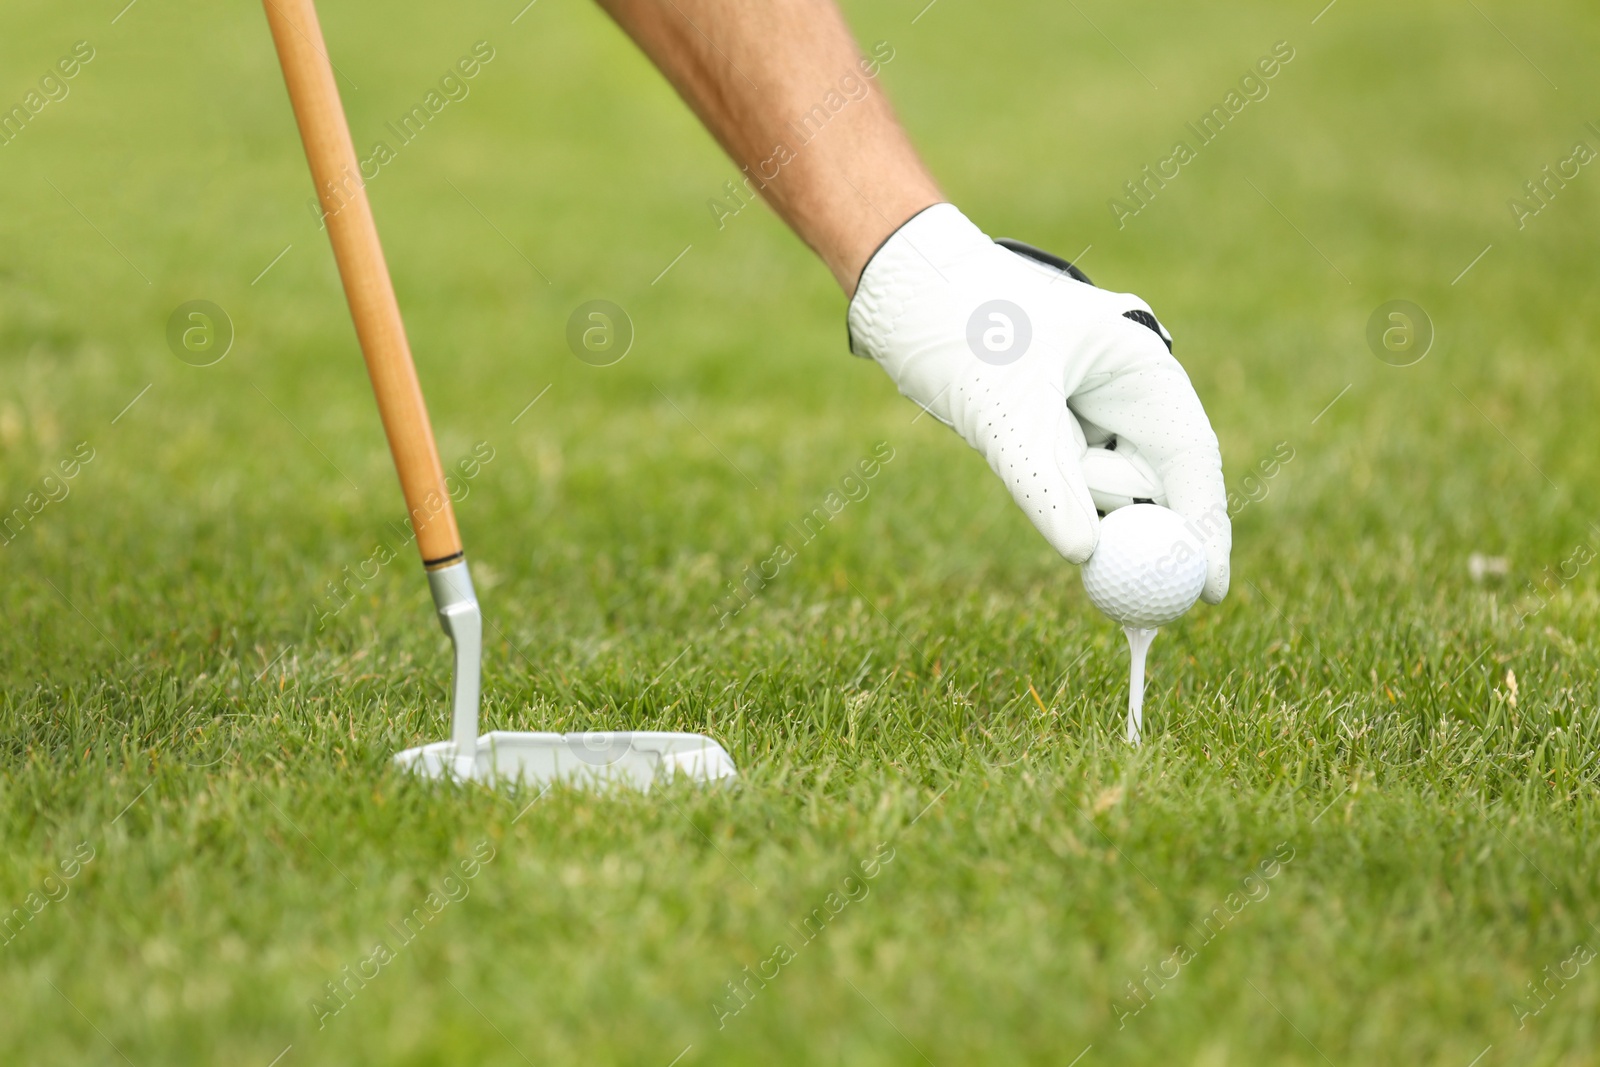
column 1032, row 365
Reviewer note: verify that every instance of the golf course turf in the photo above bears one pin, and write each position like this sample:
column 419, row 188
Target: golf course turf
column 1362, row 828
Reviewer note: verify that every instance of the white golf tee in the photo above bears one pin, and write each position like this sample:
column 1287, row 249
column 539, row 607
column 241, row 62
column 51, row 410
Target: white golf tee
column 1138, row 645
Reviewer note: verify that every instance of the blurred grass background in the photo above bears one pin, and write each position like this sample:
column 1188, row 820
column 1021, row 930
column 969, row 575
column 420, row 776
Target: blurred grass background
column 1361, row 698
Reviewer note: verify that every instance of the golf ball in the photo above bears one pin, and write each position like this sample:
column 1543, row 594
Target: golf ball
column 1148, row 568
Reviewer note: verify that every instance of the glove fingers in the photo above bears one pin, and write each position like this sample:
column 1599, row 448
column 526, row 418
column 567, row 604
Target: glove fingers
column 1153, row 405
column 1196, row 491
column 1034, row 443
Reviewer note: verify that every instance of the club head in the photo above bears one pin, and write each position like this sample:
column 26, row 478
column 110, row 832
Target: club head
column 597, row 761
column 601, row 760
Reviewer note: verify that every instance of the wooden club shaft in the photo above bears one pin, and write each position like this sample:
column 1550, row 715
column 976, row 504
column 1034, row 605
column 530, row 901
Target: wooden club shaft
column 312, row 90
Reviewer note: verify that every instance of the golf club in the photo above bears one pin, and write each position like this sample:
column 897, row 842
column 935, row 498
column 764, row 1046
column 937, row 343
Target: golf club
column 586, row 759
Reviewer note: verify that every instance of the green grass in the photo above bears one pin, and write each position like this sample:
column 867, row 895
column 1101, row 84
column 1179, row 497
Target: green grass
column 1424, row 759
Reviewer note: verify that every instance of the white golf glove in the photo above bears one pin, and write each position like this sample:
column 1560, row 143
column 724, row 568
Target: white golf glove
column 1032, row 365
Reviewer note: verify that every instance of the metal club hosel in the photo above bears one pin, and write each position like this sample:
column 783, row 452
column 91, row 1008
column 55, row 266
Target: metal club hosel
column 459, row 615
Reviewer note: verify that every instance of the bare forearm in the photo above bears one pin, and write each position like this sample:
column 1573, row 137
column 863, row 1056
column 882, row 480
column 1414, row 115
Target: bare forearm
column 767, row 78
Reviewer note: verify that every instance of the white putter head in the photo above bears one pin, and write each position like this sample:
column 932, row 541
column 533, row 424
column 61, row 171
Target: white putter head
column 584, row 760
